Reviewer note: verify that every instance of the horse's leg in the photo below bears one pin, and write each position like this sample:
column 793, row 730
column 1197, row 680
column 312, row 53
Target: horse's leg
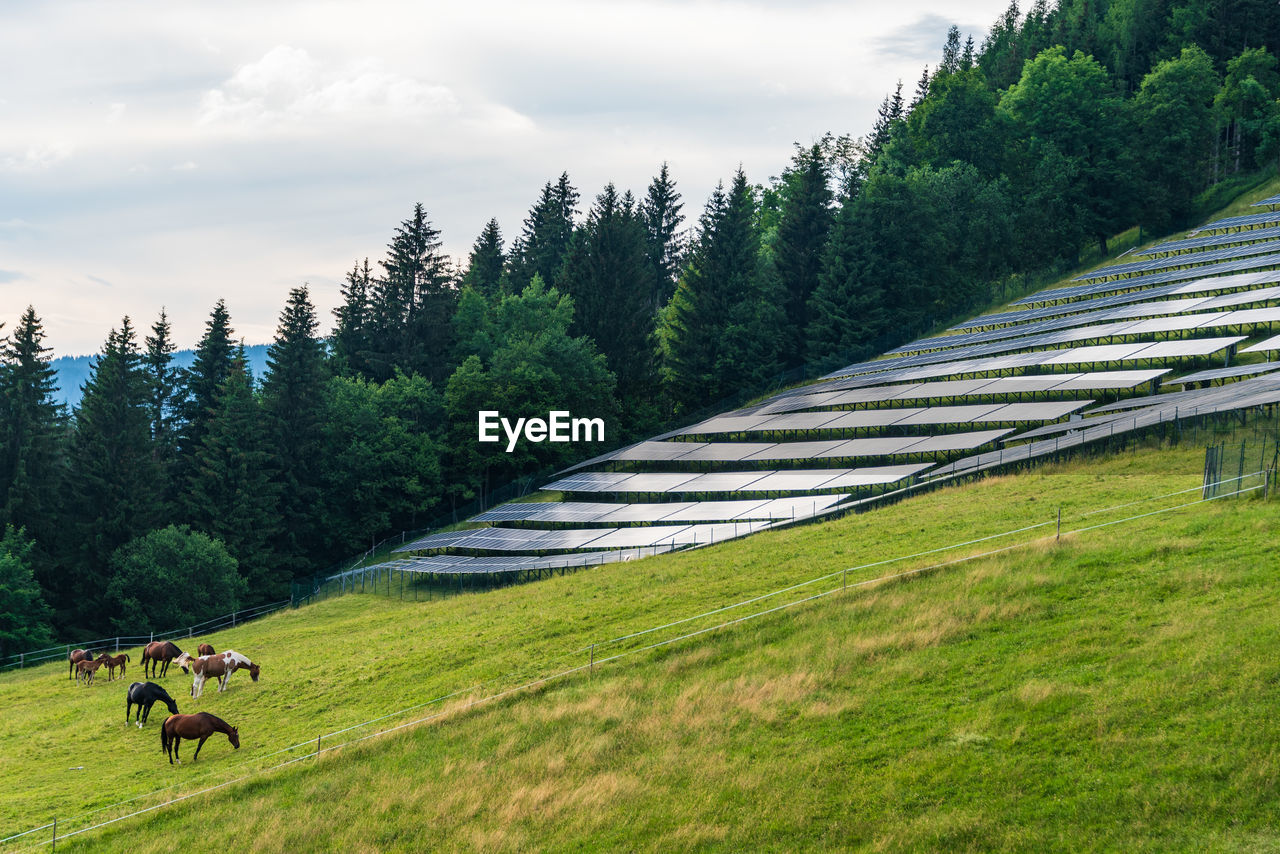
column 198, row 746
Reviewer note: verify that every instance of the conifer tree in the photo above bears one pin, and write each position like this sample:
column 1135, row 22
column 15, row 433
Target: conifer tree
column 293, row 403
column 119, row 487
column 608, row 273
column 890, row 112
column 720, row 332
column 922, row 90
column 544, row 239
column 234, row 491
column 32, row 441
column 485, row 266
column 847, row 316
column 350, row 343
column 412, row 304
column 660, row 211
column 800, row 243
column 950, row 63
column 165, row 396
column 211, row 365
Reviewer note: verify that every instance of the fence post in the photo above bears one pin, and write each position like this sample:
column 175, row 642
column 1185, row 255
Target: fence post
column 233, row 619
column 318, row 748
column 55, row 834
column 1058, row 536
column 22, row 660
column 591, row 668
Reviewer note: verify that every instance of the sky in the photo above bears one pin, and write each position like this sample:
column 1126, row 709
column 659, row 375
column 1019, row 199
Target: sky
column 170, row 154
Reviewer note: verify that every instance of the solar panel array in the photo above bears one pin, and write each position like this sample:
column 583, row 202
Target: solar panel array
column 1002, row 388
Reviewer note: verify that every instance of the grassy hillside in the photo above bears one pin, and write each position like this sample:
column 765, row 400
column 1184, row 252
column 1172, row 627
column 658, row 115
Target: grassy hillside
column 1118, row 687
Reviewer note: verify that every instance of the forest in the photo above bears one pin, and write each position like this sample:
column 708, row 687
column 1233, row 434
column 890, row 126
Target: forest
column 168, row 495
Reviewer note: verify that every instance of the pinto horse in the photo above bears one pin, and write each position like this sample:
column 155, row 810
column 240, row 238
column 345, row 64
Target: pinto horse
column 222, row 666
column 157, row 652
column 200, row 725
column 114, row 661
column 77, row 656
column 144, row 695
column 205, row 649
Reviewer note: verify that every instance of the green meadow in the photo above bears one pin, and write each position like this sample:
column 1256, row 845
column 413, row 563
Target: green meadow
column 1116, row 688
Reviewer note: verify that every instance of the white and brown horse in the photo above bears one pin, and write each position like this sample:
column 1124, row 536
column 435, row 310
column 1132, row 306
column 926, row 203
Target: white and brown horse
column 221, row 666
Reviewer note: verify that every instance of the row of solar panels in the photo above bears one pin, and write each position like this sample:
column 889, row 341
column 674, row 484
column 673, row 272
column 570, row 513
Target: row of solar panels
column 562, row 539
column 595, row 512
column 1180, row 275
column 911, row 416
column 1214, row 284
column 1087, row 355
column 1132, row 311
column 856, row 391
column 1223, row 239
column 829, row 449
column 1199, row 321
column 785, row 480
column 1250, row 393
column 1205, row 256
column 443, row 564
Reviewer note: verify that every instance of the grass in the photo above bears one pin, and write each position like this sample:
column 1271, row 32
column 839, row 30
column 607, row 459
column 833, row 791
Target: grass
column 1101, row 687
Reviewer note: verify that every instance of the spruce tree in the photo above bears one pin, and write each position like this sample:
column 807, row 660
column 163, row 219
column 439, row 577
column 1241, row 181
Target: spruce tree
column 118, row 494
column 234, row 490
column 350, row 343
column 33, row 439
column 660, row 211
column 165, row 395
column 800, row 243
column 847, row 315
column 544, row 239
column 608, row 274
column 721, row 331
column 293, row 403
column 950, row 63
column 208, row 371
column 412, row 304
column 485, row 265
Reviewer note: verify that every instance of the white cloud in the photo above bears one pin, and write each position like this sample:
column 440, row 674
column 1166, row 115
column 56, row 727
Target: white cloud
column 287, row 86
column 36, row 157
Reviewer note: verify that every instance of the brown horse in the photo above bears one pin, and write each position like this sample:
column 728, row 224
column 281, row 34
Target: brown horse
column 156, row 652
column 77, row 656
column 200, row 725
column 87, row 669
column 204, row 649
column 113, row 662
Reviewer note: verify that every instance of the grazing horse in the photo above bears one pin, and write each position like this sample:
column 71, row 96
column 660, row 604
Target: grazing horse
column 77, row 656
column 144, row 695
column 86, row 669
column 205, row 649
column 114, row 661
column 200, row 725
column 159, row 651
column 222, row 666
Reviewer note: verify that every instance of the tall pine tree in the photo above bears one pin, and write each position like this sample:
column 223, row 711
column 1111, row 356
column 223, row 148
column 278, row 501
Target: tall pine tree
column 800, row 243
column 351, row 342
column 660, row 211
column 544, row 239
column 484, row 267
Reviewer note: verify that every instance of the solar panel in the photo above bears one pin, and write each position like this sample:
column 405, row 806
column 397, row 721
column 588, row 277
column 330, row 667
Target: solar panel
column 632, row 537
column 547, row 511
column 641, row 512
column 592, row 481
column 949, row 414
column 943, row 389
column 1102, row 380
column 1145, row 280
column 870, row 418
column 1240, row 221
column 876, row 446
column 1225, row 373
column 1188, row 347
column 795, row 508
column 433, row 541
column 1272, row 343
column 725, row 424
column 1094, row 353
column 1047, row 411
column 716, row 511
column 794, row 451
column 958, row 441
column 729, row 452
column 1202, row 257
column 794, row 481
column 724, row 481
column 657, row 451
column 653, row 482
column 1270, row 200
column 875, row 476
column 798, row 421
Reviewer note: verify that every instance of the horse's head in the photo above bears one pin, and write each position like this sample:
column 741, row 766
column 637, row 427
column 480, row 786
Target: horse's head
column 234, row 735
column 254, row 670
column 172, row 704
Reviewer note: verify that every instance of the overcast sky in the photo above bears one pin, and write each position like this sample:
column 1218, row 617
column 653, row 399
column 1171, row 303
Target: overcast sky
column 173, row 153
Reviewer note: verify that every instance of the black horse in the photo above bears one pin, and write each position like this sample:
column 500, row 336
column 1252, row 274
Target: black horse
column 145, row 695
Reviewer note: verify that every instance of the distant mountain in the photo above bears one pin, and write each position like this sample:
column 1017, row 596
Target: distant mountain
column 73, row 371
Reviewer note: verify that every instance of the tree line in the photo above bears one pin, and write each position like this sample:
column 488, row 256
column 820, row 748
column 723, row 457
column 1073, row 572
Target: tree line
column 1070, row 123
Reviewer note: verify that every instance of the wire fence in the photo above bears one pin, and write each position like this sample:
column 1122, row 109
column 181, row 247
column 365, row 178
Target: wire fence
column 632, row 643
column 119, row 642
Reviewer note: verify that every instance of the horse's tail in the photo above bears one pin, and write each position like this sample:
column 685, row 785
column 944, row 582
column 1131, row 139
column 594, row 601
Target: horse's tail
column 164, row 735
column 126, row 656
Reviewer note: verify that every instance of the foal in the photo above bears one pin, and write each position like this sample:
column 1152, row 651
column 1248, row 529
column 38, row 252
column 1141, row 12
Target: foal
column 77, row 656
column 86, row 669
column 200, row 725
column 113, row 662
